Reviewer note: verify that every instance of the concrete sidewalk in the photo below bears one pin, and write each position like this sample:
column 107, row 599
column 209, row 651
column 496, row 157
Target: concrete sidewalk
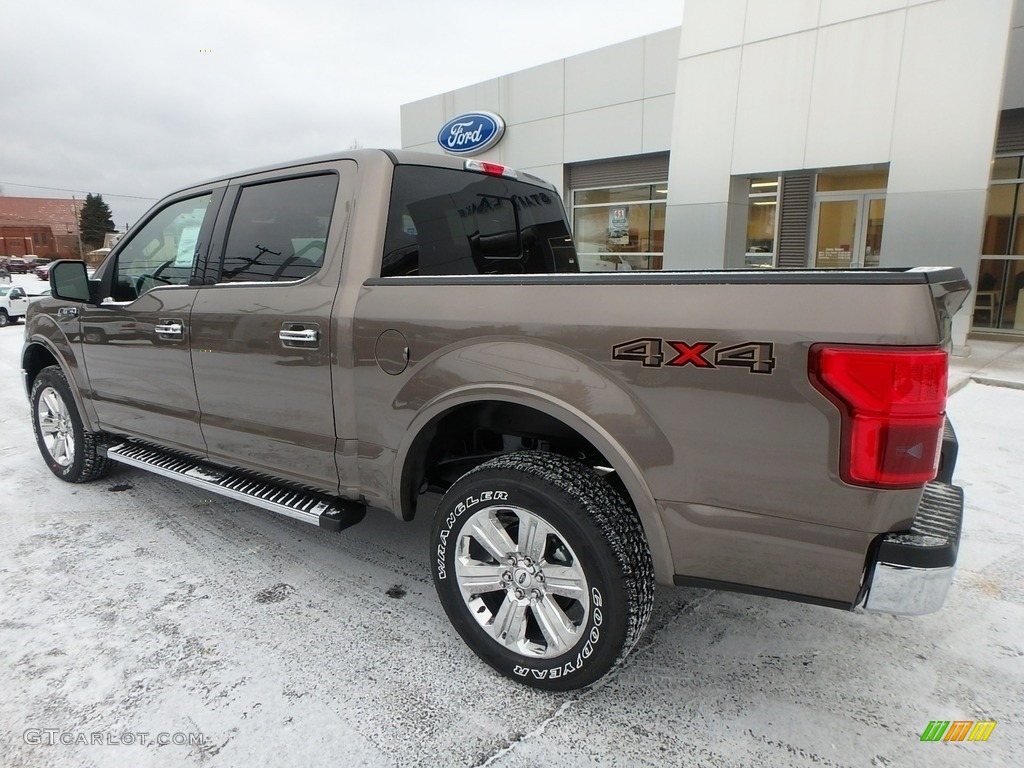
column 996, row 363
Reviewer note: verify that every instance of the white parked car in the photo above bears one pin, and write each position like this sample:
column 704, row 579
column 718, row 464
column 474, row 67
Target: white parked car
column 13, row 303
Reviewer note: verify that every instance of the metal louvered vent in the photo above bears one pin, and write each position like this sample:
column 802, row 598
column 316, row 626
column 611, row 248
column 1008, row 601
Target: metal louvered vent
column 645, row 169
column 1010, row 138
column 794, row 220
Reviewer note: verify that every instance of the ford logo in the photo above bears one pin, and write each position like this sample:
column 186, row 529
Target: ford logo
column 471, row 133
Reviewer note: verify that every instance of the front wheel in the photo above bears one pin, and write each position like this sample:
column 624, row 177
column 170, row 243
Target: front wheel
column 543, row 569
column 71, row 453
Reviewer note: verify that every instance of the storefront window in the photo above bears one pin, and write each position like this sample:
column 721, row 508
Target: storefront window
column 999, row 303
column 620, row 228
column 846, row 180
column 762, row 221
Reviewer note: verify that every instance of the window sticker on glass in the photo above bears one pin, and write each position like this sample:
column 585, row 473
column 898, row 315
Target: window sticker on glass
column 311, row 248
column 618, row 225
column 187, row 247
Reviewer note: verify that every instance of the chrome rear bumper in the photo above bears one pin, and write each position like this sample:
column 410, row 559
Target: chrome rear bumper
column 912, row 570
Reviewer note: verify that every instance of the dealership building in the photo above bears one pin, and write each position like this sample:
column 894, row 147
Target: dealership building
column 781, row 133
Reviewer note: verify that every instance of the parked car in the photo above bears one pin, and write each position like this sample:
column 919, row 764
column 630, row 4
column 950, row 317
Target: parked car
column 17, row 265
column 42, row 271
column 13, row 303
column 5, row 276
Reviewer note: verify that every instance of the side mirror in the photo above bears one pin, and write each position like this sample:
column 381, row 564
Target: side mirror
column 70, row 281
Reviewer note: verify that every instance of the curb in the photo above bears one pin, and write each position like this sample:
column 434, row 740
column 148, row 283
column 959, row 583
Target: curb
column 954, row 388
column 990, row 381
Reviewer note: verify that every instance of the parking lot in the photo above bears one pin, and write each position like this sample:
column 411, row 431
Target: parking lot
column 144, row 623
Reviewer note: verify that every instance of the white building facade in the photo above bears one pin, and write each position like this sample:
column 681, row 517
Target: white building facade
column 784, row 133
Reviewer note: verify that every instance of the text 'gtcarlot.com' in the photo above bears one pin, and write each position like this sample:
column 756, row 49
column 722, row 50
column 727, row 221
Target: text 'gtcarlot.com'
column 54, row 736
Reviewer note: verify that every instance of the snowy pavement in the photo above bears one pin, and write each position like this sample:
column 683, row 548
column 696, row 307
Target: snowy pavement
column 137, row 609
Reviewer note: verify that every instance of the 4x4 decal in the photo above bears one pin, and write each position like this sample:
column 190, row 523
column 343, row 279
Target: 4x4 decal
column 755, row 356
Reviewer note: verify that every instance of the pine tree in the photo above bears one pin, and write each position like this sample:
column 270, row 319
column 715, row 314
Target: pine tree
column 95, row 221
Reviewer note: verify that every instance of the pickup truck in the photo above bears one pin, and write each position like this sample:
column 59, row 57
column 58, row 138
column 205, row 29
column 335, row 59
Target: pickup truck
column 371, row 330
column 13, row 303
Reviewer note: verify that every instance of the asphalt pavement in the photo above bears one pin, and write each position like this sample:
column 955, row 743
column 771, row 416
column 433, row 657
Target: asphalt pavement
column 144, row 623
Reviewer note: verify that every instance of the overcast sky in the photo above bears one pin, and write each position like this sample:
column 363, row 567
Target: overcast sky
column 138, row 98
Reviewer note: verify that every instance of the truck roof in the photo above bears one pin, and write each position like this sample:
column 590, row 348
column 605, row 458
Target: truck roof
column 397, row 157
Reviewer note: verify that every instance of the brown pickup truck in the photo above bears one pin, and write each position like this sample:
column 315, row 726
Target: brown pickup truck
column 351, row 332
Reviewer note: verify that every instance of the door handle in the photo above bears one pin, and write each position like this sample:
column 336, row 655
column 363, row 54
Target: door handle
column 308, row 336
column 170, row 329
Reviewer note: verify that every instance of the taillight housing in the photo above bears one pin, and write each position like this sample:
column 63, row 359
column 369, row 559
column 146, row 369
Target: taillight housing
column 893, row 403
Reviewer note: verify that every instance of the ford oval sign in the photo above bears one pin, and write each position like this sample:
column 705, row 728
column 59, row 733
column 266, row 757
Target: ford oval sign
column 471, row 133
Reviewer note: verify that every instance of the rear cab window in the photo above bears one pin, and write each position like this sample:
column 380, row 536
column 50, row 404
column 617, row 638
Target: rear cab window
column 445, row 221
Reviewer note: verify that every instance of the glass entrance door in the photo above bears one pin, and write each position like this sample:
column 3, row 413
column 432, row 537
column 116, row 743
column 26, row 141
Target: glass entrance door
column 848, row 230
column 837, row 232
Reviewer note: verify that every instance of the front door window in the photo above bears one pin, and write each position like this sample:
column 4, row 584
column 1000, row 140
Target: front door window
column 164, row 251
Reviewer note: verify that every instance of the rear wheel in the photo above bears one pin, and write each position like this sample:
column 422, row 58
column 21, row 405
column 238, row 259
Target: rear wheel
column 543, row 569
column 71, row 453
column 4, row 318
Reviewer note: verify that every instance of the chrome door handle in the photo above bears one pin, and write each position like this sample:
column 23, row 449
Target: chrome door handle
column 66, row 313
column 172, row 329
column 309, row 336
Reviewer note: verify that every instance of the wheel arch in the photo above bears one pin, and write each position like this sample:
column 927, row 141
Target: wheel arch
column 39, row 353
column 569, row 425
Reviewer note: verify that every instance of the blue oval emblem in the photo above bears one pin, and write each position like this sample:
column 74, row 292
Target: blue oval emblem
column 471, row 133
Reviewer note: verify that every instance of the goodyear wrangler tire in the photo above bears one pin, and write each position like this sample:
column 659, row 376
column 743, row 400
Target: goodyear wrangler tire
column 71, row 453
column 543, row 569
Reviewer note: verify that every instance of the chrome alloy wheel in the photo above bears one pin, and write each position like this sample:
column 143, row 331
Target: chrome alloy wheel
column 522, row 582
column 55, row 427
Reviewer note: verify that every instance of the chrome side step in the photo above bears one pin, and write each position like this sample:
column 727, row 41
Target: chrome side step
column 330, row 513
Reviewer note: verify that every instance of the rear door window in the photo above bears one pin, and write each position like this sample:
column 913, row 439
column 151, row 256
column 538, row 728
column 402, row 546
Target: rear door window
column 448, row 222
column 279, row 230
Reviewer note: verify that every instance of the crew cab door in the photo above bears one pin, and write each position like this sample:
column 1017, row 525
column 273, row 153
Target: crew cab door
column 263, row 330
column 137, row 343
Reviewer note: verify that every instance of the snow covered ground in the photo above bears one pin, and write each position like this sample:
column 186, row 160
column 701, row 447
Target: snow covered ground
column 136, row 605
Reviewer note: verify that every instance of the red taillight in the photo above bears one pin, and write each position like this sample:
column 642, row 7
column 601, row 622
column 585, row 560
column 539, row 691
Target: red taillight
column 893, row 402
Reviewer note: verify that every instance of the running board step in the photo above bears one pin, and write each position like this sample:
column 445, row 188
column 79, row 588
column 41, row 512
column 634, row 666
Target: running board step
column 332, row 514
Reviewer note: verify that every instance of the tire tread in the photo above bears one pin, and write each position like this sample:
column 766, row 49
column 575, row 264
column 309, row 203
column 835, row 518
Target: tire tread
column 94, row 464
column 614, row 517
